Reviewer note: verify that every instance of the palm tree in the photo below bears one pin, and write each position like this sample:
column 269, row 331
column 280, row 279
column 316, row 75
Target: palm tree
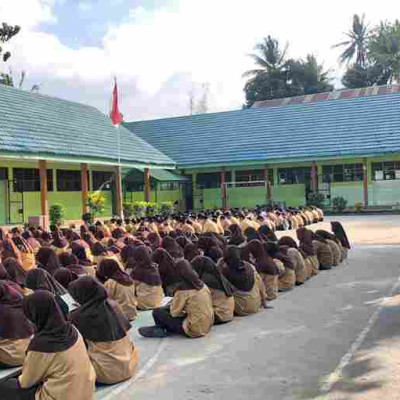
column 271, row 58
column 356, row 44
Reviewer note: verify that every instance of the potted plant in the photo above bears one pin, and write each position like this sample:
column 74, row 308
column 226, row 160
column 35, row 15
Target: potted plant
column 57, row 214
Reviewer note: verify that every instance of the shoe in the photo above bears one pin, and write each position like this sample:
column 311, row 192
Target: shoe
column 153, row 332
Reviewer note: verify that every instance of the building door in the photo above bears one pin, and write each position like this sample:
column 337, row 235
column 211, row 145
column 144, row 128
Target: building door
column 188, row 192
column 15, row 204
column 3, row 196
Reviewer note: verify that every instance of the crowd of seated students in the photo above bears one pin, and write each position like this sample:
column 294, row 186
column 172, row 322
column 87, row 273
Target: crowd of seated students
column 68, row 295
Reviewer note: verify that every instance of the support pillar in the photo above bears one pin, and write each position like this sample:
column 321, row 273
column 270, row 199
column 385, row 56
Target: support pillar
column 267, row 185
column 223, row 190
column 119, row 191
column 365, row 181
column 314, row 177
column 85, row 187
column 44, row 201
column 147, row 187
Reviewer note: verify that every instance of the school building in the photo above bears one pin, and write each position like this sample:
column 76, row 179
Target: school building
column 344, row 143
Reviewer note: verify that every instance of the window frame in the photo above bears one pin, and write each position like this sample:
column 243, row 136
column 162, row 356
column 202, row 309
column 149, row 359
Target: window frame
column 30, row 180
column 65, row 184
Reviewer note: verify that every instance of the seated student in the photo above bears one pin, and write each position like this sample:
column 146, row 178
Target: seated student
column 59, row 243
column 146, row 279
column 324, row 252
column 119, row 285
column 104, row 329
column 191, row 251
column 267, row 234
column 236, row 237
column 220, row 288
column 296, row 258
column 167, row 270
column 340, row 234
column 27, row 253
column 65, row 277
column 287, row 280
column 307, row 249
column 249, row 290
column 48, row 260
column 84, row 259
column 191, row 312
column 333, row 244
column 16, row 273
column 70, row 261
column 57, row 365
column 257, row 253
column 15, row 330
column 39, row 279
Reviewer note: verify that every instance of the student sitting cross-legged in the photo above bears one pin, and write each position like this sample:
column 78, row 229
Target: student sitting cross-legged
column 57, row 365
column 104, row 329
column 191, row 312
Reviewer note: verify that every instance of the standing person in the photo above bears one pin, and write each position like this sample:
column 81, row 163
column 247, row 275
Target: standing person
column 57, row 365
column 119, row 285
column 146, row 279
column 340, row 234
column 296, row 258
column 307, row 249
column 191, row 312
column 249, row 290
column 220, row 288
column 104, row 329
column 15, row 330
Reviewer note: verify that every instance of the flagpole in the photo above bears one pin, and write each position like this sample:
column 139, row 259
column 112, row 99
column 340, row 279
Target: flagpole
column 121, row 200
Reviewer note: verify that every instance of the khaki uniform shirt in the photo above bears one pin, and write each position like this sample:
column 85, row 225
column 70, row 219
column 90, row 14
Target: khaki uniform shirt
column 124, row 296
column 222, row 304
column 147, row 296
column 198, row 308
column 299, row 265
column 113, row 362
column 250, row 302
column 12, row 351
column 336, row 252
column 66, row 375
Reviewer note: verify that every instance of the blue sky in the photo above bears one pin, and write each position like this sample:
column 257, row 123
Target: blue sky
column 85, row 22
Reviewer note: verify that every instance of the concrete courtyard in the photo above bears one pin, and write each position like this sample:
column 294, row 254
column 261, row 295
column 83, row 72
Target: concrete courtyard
column 336, row 337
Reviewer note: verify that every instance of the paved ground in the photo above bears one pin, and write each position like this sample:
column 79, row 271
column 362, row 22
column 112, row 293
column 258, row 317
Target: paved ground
column 336, row 337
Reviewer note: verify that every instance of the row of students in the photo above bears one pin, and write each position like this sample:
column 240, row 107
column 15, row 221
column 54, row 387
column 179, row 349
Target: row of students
column 215, row 282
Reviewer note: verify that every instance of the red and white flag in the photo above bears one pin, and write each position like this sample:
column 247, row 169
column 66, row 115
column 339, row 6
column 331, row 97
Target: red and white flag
column 115, row 115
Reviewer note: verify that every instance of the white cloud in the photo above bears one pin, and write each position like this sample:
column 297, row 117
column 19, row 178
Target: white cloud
column 156, row 54
column 85, row 6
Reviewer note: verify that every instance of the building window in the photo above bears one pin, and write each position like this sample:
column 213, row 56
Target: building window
column 342, row 173
column 211, row 180
column 386, row 171
column 293, row 176
column 162, row 186
column 102, row 180
column 250, row 178
column 28, row 180
column 69, row 181
column 3, row 174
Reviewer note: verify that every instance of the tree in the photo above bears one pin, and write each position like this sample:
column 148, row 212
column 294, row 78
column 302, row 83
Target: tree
column 7, row 32
column 357, row 76
column 384, row 49
column 356, row 43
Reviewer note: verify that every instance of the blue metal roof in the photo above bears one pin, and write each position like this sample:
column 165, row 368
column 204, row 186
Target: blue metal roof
column 337, row 128
column 45, row 126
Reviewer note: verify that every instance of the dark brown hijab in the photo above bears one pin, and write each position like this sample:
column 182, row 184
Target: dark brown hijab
column 97, row 318
column 191, row 251
column 71, row 262
column 143, row 268
column 305, row 237
column 79, row 251
column 166, row 266
column 53, row 333
column 267, row 234
column 173, row 248
column 287, row 241
column 209, row 273
column 263, row 262
column 15, row 271
column 109, row 269
column 40, row 279
column 65, row 277
column 236, row 238
column 10, row 250
column 48, row 260
column 188, row 276
column 238, row 272
column 59, row 240
column 13, row 323
column 340, row 233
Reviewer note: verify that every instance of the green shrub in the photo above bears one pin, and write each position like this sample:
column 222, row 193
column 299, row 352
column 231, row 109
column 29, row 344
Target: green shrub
column 57, row 214
column 167, row 207
column 129, row 210
column 339, row 204
column 316, row 199
column 96, row 202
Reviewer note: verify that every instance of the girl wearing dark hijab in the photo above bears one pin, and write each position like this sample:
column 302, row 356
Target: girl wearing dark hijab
column 173, row 248
column 15, row 330
column 191, row 251
column 57, row 365
column 191, row 312
column 333, row 244
column 307, row 249
column 104, row 328
column 267, row 234
column 34, row 243
column 40, row 279
column 65, row 277
column 255, row 253
column 340, row 234
column 249, row 291
column 70, row 261
column 119, row 285
column 324, row 252
column 236, row 235
column 296, row 258
column 26, row 251
column 251, row 234
column 59, row 243
column 48, row 260
column 220, row 288
column 146, row 277
column 215, row 253
column 15, row 271
column 81, row 253
column 288, row 279
column 167, row 270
